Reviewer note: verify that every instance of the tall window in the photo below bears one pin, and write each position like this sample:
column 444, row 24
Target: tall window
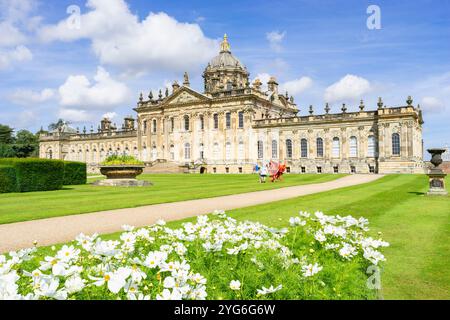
column 172, row 152
column 202, row 152
column 228, row 151
column 353, row 145
column 395, row 144
column 371, row 146
column 202, row 122
column 274, row 149
column 216, row 121
column 260, row 150
column 144, row 126
column 241, row 154
column 319, row 146
column 186, row 123
column 228, row 120
column 241, row 119
column 216, row 151
column 288, row 148
column 154, row 126
column 304, row 148
column 187, row 151
column 154, row 153
column 336, row 148
column 172, row 124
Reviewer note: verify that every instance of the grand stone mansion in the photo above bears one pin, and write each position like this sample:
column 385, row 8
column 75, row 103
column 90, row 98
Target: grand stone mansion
column 235, row 124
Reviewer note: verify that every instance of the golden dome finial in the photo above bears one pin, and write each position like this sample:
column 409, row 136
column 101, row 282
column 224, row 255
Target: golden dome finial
column 225, row 45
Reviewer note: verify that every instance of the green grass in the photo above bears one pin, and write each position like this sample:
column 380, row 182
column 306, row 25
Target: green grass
column 17, row 207
column 417, row 227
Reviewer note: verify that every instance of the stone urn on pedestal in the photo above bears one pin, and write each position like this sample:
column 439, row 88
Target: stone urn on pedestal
column 436, row 175
column 122, row 176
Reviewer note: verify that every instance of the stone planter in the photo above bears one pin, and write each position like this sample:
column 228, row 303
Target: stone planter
column 122, row 176
column 436, row 176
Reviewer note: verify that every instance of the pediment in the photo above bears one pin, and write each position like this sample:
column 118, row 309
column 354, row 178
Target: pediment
column 186, row 95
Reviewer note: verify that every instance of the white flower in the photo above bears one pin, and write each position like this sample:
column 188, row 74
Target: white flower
column 311, row 269
column 170, row 295
column 265, row 291
column 128, row 228
column 235, row 285
column 68, row 254
column 114, row 280
column 160, row 222
column 74, row 284
column 347, row 251
column 49, row 288
column 319, row 236
column 155, row 259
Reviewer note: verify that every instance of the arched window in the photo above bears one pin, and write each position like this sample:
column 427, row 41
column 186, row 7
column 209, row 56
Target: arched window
column 336, row 148
column 216, row 121
column 228, row 150
column 154, row 127
column 172, row 152
column 241, row 153
column 288, row 148
column 260, row 149
column 304, row 148
column 274, row 149
column 216, row 151
column 319, row 145
column 371, row 146
column 353, row 145
column 241, row 119
column 395, row 144
column 187, row 151
column 186, row 123
column 145, row 154
column 50, row 154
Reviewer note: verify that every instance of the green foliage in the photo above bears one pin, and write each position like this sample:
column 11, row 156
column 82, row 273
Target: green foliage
column 121, row 160
column 7, row 151
column 6, row 134
column 75, row 173
column 7, row 179
column 37, row 174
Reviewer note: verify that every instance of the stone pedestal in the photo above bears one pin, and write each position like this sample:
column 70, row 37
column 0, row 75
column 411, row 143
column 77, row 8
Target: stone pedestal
column 122, row 183
column 436, row 175
column 437, row 183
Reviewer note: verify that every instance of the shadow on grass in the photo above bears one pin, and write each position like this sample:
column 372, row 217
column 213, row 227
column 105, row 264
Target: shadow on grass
column 418, row 193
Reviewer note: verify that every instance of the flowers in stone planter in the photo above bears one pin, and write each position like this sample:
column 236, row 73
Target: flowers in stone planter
column 213, row 257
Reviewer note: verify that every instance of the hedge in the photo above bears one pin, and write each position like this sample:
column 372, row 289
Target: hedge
column 75, row 173
column 7, row 179
column 37, row 174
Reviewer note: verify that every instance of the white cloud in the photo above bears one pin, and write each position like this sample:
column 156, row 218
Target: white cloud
column 297, row 86
column 79, row 93
column 275, row 38
column 432, row 105
column 10, row 35
column 110, row 115
column 10, row 57
column 27, row 97
column 74, row 115
column 350, row 87
column 118, row 38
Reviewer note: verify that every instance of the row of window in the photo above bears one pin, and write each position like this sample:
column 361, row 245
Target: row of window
column 335, row 148
column 187, row 122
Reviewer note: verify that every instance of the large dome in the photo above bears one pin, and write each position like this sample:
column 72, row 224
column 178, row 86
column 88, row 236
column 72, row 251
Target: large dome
column 225, row 59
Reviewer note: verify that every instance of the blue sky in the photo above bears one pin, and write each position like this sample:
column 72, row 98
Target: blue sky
column 320, row 50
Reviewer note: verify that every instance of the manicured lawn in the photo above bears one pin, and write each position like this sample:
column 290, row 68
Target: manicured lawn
column 417, row 227
column 167, row 188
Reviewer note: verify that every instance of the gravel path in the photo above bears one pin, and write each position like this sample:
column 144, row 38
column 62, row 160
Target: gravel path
column 50, row 231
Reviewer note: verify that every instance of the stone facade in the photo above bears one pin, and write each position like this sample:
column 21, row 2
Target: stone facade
column 233, row 125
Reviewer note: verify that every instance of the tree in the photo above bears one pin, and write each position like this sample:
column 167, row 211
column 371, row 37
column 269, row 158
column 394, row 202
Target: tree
column 7, row 151
column 26, row 144
column 6, row 134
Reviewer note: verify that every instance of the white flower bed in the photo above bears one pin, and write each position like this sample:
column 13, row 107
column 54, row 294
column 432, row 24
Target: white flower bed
column 156, row 262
